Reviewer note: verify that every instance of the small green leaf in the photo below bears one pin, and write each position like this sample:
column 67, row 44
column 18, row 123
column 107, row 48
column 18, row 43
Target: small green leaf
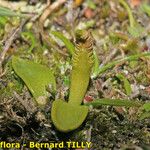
column 126, row 83
column 67, row 42
column 145, row 8
column 136, row 31
column 114, row 102
column 86, row 25
column 3, row 20
column 146, row 106
column 128, row 9
column 91, row 4
column 35, row 76
column 30, row 37
column 8, row 12
column 135, row 28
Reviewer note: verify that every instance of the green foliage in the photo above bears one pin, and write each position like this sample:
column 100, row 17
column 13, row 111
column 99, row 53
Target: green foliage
column 86, row 25
column 131, row 18
column 114, row 102
column 91, row 4
column 146, row 106
column 14, row 83
column 35, row 76
column 126, row 83
column 9, row 13
column 123, row 102
column 145, row 111
column 31, row 38
column 3, row 20
column 105, row 10
column 145, row 8
column 82, row 65
column 113, row 63
column 135, row 29
column 144, row 115
column 71, row 48
column 67, row 42
column 69, row 116
column 114, row 38
column 132, row 46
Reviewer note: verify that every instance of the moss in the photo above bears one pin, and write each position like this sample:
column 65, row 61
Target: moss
column 10, row 83
column 142, row 78
column 109, row 132
column 121, row 15
column 131, row 46
column 133, row 64
column 105, row 10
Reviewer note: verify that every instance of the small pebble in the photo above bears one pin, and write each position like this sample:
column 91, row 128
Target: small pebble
column 114, row 131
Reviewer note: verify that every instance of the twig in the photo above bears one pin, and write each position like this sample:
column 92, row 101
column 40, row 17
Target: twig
column 50, row 8
column 48, row 2
column 110, row 56
column 25, row 104
column 9, row 42
column 3, row 73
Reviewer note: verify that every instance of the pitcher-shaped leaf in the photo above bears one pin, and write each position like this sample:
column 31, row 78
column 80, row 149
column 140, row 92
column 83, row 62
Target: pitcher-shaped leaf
column 69, row 116
column 82, row 63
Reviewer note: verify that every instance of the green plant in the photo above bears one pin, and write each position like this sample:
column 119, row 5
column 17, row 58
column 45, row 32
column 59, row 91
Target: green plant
column 145, row 111
column 8, row 12
column 69, row 116
column 145, row 7
column 135, row 29
column 114, row 102
column 30, row 37
column 67, row 43
column 115, row 62
column 126, row 83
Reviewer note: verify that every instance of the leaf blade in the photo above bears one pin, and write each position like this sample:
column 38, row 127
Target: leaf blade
column 126, row 83
column 67, row 42
column 9, row 13
column 114, row 102
column 35, row 76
